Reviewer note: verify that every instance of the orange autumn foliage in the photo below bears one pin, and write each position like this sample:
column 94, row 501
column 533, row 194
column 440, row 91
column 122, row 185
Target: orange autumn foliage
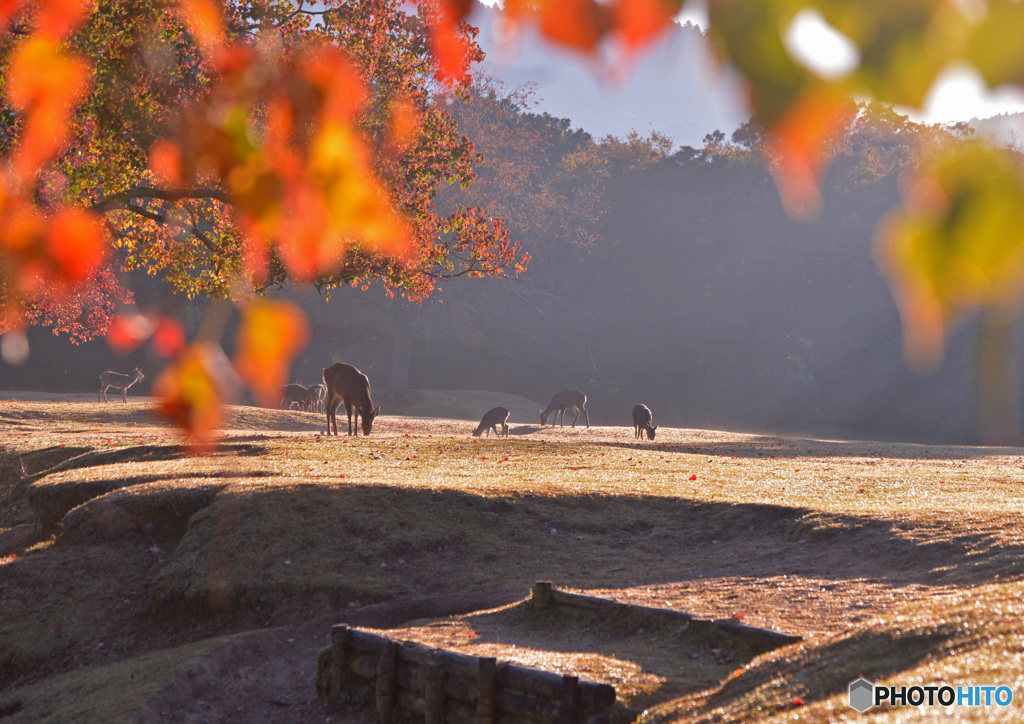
column 272, row 333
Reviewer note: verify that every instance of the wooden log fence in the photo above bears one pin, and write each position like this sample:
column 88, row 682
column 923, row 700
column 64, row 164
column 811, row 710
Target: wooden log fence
column 445, row 686
column 759, row 639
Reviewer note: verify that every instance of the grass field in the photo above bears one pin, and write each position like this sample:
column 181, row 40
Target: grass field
column 139, row 581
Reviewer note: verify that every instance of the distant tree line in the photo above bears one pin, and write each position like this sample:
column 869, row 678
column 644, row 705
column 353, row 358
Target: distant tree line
column 667, row 276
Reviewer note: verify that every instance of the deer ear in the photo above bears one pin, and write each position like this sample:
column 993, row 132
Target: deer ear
column 376, row 410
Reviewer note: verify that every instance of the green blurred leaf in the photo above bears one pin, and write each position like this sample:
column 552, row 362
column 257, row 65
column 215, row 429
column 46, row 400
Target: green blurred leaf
column 995, row 45
column 957, row 245
column 750, row 34
column 904, row 44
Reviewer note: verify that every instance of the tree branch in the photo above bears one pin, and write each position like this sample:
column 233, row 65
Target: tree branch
column 122, row 200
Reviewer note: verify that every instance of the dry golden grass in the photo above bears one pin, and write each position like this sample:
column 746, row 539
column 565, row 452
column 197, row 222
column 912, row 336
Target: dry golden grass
column 866, row 549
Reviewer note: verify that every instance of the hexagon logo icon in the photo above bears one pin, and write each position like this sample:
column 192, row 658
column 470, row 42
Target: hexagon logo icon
column 862, row 695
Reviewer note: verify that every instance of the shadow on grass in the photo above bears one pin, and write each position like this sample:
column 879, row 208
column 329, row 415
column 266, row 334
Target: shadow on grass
column 778, row 447
column 52, row 501
column 310, row 548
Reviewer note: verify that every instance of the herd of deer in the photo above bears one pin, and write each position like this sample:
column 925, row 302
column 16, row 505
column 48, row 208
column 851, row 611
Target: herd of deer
column 345, row 385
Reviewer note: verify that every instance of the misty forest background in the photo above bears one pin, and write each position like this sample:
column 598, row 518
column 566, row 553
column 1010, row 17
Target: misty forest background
column 663, row 274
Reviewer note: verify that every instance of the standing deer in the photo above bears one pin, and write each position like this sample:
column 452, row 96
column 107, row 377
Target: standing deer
column 119, row 382
column 642, row 418
column 491, row 419
column 565, row 399
column 316, row 397
column 345, row 384
column 294, row 395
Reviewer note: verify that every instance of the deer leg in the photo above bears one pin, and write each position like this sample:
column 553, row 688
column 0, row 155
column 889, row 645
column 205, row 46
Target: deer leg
column 348, row 410
column 329, row 409
column 577, row 410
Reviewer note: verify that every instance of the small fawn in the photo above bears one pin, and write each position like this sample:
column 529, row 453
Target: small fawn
column 490, row 421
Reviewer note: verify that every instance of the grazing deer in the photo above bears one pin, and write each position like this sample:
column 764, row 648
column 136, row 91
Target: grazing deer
column 294, row 395
column 642, row 418
column 491, row 419
column 316, row 397
column 565, row 399
column 345, row 384
column 119, row 382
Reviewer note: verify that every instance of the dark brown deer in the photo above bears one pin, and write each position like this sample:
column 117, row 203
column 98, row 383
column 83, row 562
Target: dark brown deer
column 119, row 382
column 642, row 418
column 294, row 395
column 491, row 419
column 565, row 399
column 345, row 384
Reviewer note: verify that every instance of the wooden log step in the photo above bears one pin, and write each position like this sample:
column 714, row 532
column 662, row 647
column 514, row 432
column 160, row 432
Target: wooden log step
column 518, row 704
column 366, row 641
column 363, row 664
column 550, row 685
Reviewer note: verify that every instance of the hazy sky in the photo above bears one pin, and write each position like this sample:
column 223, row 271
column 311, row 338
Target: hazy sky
column 959, row 94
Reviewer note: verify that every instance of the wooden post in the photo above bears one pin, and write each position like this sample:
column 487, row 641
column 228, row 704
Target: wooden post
column 570, row 700
column 433, row 691
column 387, row 665
column 487, row 685
column 339, row 659
column 541, row 594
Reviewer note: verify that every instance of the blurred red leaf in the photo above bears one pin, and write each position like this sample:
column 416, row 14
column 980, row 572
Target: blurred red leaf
column 206, row 23
column 57, row 18
column 127, row 332
column 271, row 334
column 193, row 390
column 168, row 337
column 457, row 9
column 45, row 84
column 450, row 48
column 693, row 477
column 75, row 243
column 797, row 146
column 165, row 162
column 798, row 701
column 577, row 24
column 640, row 21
